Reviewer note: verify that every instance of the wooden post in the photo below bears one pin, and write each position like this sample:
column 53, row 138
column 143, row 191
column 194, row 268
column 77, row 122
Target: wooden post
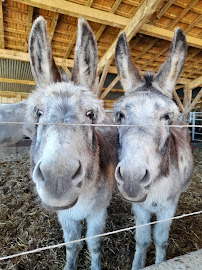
column 186, row 101
column 102, row 80
column 18, row 97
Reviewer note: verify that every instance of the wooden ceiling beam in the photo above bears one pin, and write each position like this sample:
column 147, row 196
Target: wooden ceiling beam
column 53, row 26
column 102, row 27
column 15, row 55
column 162, row 33
column 108, row 89
column 2, row 42
column 194, row 102
column 144, row 11
column 106, row 18
column 29, row 25
column 195, row 83
column 10, row 94
column 8, row 80
column 76, row 10
column 71, row 44
column 179, row 103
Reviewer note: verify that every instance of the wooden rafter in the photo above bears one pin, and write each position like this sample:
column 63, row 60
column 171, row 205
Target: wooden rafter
column 103, row 77
column 2, row 42
column 161, row 33
column 184, row 12
column 187, row 96
column 66, row 70
column 195, row 83
column 102, row 27
column 179, row 103
column 8, row 80
column 76, row 10
column 15, row 55
column 71, row 44
column 53, row 26
column 145, row 10
column 108, row 89
column 29, row 25
column 194, row 102
column 72, row 9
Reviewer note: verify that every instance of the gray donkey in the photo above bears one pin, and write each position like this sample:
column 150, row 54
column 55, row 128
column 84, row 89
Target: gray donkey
column 155, row 160
column 72, row 166
column 13, row 133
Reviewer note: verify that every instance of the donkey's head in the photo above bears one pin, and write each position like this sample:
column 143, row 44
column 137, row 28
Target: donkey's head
column 148, row 106
column 63, row 156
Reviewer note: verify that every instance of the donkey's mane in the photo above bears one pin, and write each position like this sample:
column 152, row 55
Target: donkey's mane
column 149, row 78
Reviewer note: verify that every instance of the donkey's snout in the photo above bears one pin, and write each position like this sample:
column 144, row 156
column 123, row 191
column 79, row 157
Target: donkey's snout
column 134, row 180
column 62, row 175
column 139, row 174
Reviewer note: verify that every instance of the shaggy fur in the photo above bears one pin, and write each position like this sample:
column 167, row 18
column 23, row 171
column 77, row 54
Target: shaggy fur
column 71, row 164
column 155, row 160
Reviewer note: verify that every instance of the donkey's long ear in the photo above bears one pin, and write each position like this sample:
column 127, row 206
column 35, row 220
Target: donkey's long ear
column 85, row 56
column 43, row 67
column 128, row 74
column 170, row 70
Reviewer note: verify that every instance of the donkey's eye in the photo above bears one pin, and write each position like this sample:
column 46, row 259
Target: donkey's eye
column 166, row 116
column 120, row 116
column 90, row 114
column 39, row 113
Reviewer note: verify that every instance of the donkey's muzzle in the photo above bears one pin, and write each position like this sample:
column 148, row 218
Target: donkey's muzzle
column 58, row 181
column 134, row 181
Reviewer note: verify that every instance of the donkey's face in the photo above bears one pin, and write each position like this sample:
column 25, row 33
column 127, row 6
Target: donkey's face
column 62, row 156
column 147, row 106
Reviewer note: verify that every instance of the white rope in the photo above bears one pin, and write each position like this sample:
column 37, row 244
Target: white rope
column 95, row 236
column 97, row 125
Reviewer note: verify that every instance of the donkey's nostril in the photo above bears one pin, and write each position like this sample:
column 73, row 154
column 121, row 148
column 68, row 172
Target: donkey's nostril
column 118, row 175
column 38, row 173
column 77, row 177
column 146, row 179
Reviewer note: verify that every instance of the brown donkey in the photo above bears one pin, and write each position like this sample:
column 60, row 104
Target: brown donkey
column 71, row 166
column 155, row 160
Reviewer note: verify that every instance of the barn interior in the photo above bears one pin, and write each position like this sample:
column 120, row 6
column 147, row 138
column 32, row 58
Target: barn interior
column 149, row 26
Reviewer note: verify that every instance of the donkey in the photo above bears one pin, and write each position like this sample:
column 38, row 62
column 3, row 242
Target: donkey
column 72, row 165
column 13, row 133
column 155, row 159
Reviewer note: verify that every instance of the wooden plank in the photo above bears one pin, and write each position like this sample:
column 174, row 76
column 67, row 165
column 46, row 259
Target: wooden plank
column 22, row 56
column 10, row 94
column 108, row 89
column 102, row 80
column 190, row 5
column 179, row 103
column 102, row 27
column 71, row 44
column 2, row 42
column 18, row 97
column 53, row 26
column 196, row 83
column 29, row 25
column 187, row 97
column 164, row 9
column 8, row 80
column 66, row 70
column 145, row 10
column 162, row 33
column 76, row 10
column 194, row 102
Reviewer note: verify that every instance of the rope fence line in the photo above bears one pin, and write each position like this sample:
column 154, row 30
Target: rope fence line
column 96, row 125
column 95, row 236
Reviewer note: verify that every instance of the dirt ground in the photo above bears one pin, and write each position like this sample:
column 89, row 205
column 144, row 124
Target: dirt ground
column 25, row 225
